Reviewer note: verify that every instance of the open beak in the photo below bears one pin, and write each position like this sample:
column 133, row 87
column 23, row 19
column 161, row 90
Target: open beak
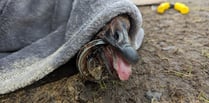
column 125, row 54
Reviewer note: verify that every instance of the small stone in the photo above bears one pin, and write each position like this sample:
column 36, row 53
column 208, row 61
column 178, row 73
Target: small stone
column 153, row 95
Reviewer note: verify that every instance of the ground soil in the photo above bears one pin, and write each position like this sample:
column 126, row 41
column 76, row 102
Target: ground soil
column 174, row 66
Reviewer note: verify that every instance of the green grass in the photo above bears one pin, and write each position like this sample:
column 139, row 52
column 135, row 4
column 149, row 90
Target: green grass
column 202, row 97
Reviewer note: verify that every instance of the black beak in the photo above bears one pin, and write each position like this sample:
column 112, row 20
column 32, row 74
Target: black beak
column 129, row 53
column 121, row 41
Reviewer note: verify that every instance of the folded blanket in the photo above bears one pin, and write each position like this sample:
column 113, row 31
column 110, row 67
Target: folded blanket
column 38, row 36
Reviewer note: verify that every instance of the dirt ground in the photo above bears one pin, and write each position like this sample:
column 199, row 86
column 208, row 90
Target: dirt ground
column 174, row 66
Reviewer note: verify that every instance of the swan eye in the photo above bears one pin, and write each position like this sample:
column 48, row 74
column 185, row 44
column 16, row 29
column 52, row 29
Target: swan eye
column 118, row 36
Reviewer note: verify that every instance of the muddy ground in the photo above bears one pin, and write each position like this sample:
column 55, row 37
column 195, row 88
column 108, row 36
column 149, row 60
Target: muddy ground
column 174, row 66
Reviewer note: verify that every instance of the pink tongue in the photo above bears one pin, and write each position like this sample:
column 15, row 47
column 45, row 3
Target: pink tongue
column 123, row 68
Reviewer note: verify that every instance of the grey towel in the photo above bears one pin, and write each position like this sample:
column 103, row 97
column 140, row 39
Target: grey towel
column 38, row 36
